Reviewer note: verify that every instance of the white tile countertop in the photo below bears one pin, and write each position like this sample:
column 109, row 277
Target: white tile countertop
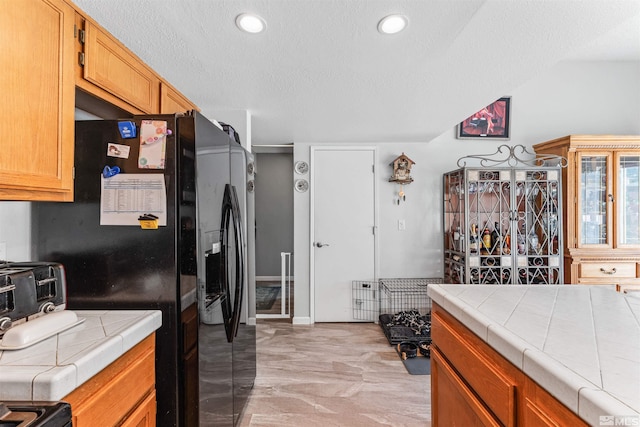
column 581, row 343
column 53, row 368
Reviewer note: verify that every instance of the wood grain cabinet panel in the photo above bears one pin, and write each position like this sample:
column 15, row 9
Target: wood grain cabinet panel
column 496, row 389
column 172, row 101
column 110, row 66
column 453, row 402
column 471, row 384
column 608, row 270
column 123, row 392
column 542, row 409
column 144, row 415
column 190, row 366
column 37, row 108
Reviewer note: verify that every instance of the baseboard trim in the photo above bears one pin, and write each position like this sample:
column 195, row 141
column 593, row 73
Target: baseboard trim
column 272, row 278
column 298, row 320
column 251, row 321
column 272, row 316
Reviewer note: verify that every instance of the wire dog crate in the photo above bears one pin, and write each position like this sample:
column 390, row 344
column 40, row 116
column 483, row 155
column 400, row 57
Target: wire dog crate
column 405, row 309
column 401, row 306
column 365, row 300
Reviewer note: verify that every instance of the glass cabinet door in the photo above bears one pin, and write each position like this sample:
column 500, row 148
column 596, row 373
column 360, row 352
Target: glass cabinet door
column 626, row 201
column 595, row 197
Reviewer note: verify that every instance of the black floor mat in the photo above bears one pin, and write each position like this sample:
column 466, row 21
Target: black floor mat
column 419, row 365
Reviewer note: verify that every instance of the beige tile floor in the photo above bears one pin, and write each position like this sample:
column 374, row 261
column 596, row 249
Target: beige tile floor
column 333, row 374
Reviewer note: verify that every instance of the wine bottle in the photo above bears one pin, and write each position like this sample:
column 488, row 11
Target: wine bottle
column 495, row 239
column 473, row 240
column 506, row 247
column 486, row 240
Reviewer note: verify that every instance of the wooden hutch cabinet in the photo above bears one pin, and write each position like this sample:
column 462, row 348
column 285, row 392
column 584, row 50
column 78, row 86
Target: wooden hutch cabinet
column 601, row 208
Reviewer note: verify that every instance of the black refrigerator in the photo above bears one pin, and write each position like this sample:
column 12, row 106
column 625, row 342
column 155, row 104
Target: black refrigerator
column 160, row 220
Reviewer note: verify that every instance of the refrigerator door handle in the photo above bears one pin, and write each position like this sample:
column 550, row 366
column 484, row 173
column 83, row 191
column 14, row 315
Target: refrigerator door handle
column 227, row 217
column 239, row 277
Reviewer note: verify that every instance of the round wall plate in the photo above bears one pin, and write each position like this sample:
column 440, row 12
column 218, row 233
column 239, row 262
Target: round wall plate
column 301, row 185
column 251, row 186
column 251, row 168
column 301, row 167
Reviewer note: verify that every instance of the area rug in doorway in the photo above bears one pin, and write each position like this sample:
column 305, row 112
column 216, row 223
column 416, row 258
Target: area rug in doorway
column 266, row 296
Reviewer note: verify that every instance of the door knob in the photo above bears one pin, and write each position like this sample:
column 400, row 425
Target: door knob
column 319, row 244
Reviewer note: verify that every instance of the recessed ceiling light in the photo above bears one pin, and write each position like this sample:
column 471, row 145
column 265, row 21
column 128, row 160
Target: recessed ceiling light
column 250, row 23
column 392, row 24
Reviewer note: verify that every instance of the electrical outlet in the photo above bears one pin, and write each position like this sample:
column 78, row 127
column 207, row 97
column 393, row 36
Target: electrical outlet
column 401, row 224
column 3, row 251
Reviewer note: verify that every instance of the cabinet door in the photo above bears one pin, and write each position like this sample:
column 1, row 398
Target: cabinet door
column 626, row 202
column 540, row 409
column 190, row 377
column 489, row 213
column 110, row 66
column 453, row 402
column 144, row 415
column 172, row 101
column 38, row 100
column 595, row 199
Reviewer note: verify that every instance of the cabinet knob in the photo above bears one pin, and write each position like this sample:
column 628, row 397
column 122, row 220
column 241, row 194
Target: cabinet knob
column 612, row 271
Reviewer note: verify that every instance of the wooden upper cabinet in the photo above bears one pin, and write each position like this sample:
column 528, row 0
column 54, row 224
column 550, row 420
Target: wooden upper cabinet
column 49, row 49
column 172, row 101
column 112, row 72
column 37, row 109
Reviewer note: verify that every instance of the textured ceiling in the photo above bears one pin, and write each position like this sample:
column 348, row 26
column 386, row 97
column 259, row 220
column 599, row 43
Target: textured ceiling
column 321, row 72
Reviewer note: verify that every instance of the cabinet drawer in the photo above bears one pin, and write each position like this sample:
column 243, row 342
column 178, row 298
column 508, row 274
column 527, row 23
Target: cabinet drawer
column 609, row 270
column 486, row 379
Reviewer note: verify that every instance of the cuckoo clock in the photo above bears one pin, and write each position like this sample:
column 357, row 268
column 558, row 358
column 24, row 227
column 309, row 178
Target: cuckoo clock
column 402, row 169
column 402, row 174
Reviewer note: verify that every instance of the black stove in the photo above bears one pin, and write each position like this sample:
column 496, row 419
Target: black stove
column 35, row 414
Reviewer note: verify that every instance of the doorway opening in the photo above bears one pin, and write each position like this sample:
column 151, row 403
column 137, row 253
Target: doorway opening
column 274, row 231
column 274, row 298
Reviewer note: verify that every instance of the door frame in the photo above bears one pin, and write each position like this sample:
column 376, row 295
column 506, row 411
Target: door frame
column 314, row 149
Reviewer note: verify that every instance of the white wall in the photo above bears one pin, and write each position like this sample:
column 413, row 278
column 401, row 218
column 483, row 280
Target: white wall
column 573, row 98
column 15, row 230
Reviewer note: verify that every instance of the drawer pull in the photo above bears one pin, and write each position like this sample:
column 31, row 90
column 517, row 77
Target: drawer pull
column 612, row 271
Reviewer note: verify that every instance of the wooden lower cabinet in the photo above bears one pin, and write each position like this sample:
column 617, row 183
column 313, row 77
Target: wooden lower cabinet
column 121, row 394
column 190, row 367
column 471, row 384
column 453, row 402
column 542, row 409
column 144, row 415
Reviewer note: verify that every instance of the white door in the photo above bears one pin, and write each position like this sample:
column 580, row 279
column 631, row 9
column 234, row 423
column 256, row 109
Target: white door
column 343, row 225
